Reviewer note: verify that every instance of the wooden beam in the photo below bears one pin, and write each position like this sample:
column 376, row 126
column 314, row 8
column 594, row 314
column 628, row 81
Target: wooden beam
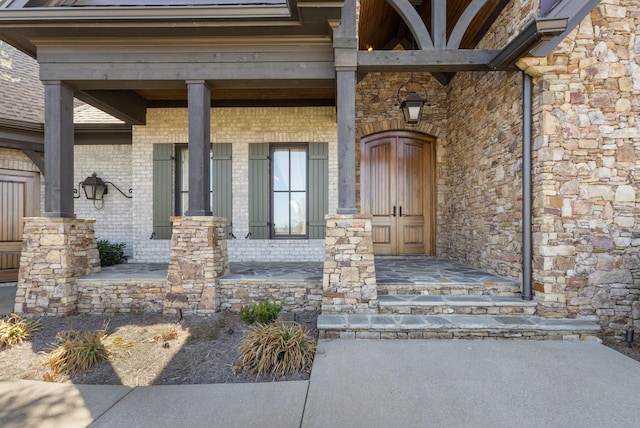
column 413, row 20
column 58, row 150
column 439, row 61
column 439, row 23
column 36, row 159
column 124, row 105
column 294, row 70
column 199, row 148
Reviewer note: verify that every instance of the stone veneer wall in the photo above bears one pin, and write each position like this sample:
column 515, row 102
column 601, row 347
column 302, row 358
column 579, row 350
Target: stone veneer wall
column 587, row 155
column 378, row 110
column 349, row 275
column 239, row 126
column 55, row 252
column 112, row 296
column 296, row 295
column 198, row 258
column 484, row 200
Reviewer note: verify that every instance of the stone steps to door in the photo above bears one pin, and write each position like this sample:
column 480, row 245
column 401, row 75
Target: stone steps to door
column 443, row 287
column 455, row 304
column 362, row 326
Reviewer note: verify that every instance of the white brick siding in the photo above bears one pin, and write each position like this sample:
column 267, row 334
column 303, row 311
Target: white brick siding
column 111, row 163
column 239, row 126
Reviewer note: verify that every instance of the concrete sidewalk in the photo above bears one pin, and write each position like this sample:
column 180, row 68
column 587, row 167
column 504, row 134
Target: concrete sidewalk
column 365, row 383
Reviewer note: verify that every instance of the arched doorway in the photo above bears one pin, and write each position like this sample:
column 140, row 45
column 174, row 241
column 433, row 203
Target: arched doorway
column 397, row 184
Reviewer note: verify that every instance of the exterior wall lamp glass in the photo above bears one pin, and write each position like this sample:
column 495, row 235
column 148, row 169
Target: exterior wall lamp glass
column 95, row 188
column 413, row 102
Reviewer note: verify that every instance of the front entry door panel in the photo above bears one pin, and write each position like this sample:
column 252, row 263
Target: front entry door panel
column 396, row 188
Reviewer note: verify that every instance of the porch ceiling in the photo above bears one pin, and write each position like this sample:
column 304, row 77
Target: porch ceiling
column 381, row 27
column 135, row 56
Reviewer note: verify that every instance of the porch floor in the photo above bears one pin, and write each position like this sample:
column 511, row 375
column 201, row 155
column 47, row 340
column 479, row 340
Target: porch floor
column 413, row 269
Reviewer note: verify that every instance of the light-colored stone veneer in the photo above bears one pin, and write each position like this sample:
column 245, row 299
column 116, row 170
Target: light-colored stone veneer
column 198, row 259
column 587, row 157
column 296, row 295
column 55, row 252
column 349, row 276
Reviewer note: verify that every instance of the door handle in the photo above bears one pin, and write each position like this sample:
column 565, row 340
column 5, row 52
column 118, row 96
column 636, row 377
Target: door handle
column 394, row 210
column 400, row 210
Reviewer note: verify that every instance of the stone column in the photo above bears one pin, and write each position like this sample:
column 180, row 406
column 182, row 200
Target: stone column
column 349, row 279
column 198, row 258
column 55, row 252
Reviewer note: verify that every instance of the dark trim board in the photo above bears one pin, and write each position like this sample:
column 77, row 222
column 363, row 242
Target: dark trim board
column 320, row 102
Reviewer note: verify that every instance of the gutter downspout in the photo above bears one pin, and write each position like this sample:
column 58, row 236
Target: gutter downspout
column 527, row 118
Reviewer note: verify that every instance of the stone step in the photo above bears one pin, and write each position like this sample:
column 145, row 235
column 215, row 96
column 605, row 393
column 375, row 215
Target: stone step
column 362, row 326
column 451, row 288
column 456, row 304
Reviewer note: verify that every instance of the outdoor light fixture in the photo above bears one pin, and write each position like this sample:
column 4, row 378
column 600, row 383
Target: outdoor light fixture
column 413, row 102
column 95, row 189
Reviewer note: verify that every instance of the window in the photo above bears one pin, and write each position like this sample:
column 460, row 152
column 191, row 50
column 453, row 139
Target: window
column 289, row 191
column 165, row 204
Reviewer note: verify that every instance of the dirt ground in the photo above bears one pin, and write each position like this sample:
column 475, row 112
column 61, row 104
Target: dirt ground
column 194, row 350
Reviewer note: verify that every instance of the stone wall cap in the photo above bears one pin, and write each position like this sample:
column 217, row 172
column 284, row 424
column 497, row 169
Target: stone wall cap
column 58, row 220
column 348, row 217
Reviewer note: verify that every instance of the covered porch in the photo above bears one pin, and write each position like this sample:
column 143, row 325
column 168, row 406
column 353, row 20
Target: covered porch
column 419, row 281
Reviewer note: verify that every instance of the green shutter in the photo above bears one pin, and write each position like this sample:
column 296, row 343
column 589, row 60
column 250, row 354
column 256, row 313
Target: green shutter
column 259, row 191
column 162, row 168
column 221, row 173
column 318, row 189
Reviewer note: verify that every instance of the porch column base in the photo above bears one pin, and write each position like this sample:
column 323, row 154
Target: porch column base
column 349, row 277
column 55, row 252
column 198, row 258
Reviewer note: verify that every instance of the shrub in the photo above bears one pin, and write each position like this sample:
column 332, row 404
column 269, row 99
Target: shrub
column 77, row 351
column 277, row 349
column 111, row 253
column 263, row 312
column 16, row 330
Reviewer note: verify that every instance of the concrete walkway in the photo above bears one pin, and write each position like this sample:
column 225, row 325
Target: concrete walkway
column 365, row 383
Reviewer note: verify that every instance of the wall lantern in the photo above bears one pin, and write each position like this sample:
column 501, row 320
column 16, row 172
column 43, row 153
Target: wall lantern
column 95, row 189
column 414, row 100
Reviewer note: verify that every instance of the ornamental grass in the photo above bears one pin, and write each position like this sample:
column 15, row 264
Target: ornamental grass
column 16, row 330
column 77, row 351
column 276, row 349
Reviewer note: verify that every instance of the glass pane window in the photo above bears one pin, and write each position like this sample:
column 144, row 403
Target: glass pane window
column 183, row 181
column 289, row 191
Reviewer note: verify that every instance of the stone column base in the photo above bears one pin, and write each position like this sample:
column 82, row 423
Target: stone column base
column 55, row 252
column 198, row 258
column 349, row 279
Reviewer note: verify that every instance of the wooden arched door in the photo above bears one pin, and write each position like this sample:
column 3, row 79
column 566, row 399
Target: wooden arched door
column 397, row 188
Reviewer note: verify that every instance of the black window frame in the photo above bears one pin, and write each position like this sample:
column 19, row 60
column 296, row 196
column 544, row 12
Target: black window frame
column 272, row 148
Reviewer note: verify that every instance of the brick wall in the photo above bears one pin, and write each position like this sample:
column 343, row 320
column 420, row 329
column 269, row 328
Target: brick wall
column 111, row 163
column 239, row 126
